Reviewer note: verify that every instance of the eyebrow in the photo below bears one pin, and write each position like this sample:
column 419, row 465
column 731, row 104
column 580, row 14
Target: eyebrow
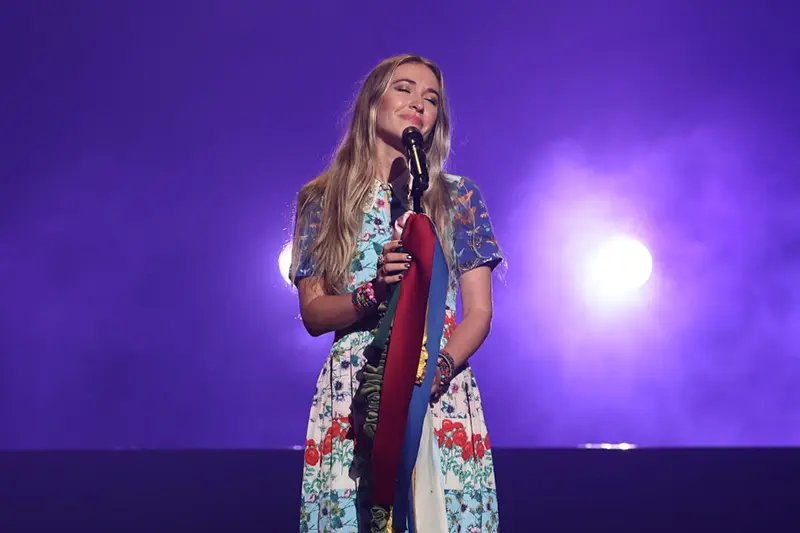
column 434, row 91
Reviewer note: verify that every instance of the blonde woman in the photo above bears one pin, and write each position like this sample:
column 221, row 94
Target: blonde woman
column 345, row 264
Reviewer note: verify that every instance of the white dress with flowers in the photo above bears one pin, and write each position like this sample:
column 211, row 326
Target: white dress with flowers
column 329, row 493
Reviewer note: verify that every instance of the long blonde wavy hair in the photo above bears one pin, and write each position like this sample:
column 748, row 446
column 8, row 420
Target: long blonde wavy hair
column 351, row 175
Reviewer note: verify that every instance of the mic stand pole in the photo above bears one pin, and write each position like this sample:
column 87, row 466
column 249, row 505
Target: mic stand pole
column 416, row 192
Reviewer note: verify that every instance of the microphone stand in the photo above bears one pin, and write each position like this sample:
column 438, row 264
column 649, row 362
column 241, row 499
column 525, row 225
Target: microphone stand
column 417, row 188
column 419, row 176
column 417, row 166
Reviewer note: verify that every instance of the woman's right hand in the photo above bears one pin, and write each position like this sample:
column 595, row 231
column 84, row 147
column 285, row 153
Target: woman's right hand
column 391, row 267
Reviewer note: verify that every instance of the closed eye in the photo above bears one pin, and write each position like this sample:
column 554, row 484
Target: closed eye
column 433, row 101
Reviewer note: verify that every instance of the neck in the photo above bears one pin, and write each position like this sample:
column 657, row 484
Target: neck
column 390, row 163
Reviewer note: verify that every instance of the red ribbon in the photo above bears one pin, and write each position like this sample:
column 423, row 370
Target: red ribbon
column 402, row 361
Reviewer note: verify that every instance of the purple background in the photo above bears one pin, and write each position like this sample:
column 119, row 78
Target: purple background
column 151, row 152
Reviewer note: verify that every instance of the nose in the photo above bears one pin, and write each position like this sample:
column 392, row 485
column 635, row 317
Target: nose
column 417, row 104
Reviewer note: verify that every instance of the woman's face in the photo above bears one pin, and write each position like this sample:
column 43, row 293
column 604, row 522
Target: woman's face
column 412, row 99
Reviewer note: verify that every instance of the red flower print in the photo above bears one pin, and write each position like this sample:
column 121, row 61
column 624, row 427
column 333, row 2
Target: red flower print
column 310, row 442
column 466, row 453
column 327, row 445
column 460, row 438
column 458, row 425
column 440, row 439
column 447, row 425
column 476, row 437
column 312, row 456
column 486, row 442
column 334, row 430
column 479, row 450
column 449, row 326
column 449, row 444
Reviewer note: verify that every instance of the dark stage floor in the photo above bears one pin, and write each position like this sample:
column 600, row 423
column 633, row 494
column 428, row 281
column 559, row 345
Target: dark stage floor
column 638, row 491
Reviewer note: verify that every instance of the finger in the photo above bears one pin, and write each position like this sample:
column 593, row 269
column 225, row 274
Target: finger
column 391, row 268
column 391, row 246
column 391, row 280
column 396, row 258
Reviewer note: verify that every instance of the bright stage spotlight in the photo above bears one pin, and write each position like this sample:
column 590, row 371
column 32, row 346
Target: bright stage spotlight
column 618, row 269
column 285, row 262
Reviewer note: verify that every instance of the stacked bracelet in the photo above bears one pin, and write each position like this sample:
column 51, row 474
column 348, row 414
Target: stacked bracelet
column 447, row 370
column 364, row 298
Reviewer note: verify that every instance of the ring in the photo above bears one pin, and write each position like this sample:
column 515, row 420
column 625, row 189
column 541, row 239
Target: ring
column 381, row 261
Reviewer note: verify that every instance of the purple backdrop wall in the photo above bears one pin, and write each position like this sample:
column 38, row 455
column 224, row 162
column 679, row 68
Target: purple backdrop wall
column 152, row 150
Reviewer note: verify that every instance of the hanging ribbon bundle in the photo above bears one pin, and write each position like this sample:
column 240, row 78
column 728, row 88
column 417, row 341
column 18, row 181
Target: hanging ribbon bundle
column 397, row 384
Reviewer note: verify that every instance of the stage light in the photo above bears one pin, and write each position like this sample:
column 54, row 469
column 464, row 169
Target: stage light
column 622, row 446
column 285, row 262
column 619, row 267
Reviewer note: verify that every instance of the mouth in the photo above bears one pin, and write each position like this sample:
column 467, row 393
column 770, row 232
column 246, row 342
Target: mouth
column 413, row 119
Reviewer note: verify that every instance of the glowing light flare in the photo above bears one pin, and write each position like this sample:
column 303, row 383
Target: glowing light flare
column 623, row 446
column 285, row 262
column 619, row 267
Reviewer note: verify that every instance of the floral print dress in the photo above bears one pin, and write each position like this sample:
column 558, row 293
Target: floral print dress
column 330, row 482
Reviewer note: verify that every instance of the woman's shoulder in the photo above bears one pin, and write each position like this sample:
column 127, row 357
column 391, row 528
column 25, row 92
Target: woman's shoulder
column 459, row 181
column 462, row 187
column 311, row 196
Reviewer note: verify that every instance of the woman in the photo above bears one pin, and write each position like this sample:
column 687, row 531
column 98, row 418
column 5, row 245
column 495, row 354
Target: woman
column 344, row 265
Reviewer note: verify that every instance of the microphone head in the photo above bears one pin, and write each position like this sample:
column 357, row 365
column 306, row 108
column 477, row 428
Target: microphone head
column 412, row 137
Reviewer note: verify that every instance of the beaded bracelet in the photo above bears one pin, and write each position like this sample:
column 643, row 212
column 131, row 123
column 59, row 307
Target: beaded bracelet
column 364, row 298
column 447, row 369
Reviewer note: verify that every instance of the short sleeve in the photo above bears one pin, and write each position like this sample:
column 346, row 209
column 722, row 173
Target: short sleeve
column 309, row 222
column 474, row 240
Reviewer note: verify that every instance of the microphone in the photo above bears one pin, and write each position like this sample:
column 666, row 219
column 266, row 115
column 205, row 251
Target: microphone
column 417, row 164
